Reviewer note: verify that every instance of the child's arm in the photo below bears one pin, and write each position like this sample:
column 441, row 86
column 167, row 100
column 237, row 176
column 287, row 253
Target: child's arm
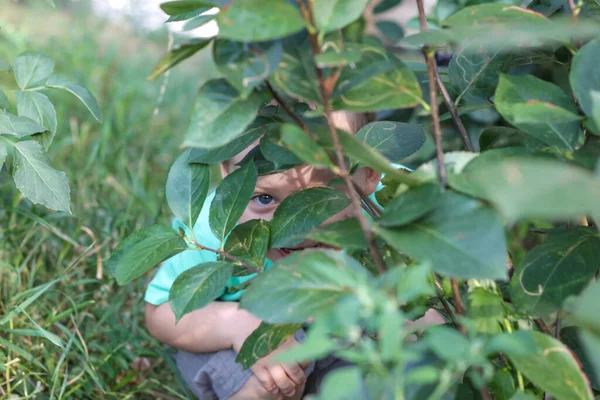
column 218, row 326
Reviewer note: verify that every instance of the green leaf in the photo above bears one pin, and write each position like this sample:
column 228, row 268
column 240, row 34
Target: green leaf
column 486, row 311
column 187, row 187
column 65, row 83
column 231, row 198
column 346, row 234
column 500, row 136
column 198, row 21
column 516, row 343
column 519, row 395
column 3, row 153
column 303, row 284
column 247, row 21
column 364, row 154
column 394, row 140
column 411, row 205
column 275, row 151
column 143, row 250
column 585, row 76
column 246, row 65
column 18, row 126
column 303, row 211
column 595, row 114
column 4, row 102
column 186, row 9
column 296, row 74
column 336, row 58
column 249, row 242
column 36, row 179
column 38, row 107
column 330, row 15
column 586, row 346
column 493, row 13
column 304, row 147
column 411, row 282
column 220, row 115
column 392, row 31
column 474, row 70
column 584, row 310
column 386, row 5
column 4, row 65
column 461, row 238
column 552, row 368
column 264, row 340
column 503, row 385
column 177, row 55
column 448, row 343
column 198, row 286
column 539, row 108
column 525, row 187
column 342, row 383
column 379, row 81
column 560, row 267
column 32, row 69
column 253, row 132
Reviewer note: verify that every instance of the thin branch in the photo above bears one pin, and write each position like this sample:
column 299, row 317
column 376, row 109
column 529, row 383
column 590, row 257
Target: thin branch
column 458, row 303
column 574, row 10
column 542, row 326
column 289, row 111
column 370, row 203
column 226, row 255
column 452, row 110
column 341, row 162
column 435, row 111
column 444, row 302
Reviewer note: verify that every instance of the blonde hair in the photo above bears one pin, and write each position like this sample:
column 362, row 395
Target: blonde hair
column 351, row 121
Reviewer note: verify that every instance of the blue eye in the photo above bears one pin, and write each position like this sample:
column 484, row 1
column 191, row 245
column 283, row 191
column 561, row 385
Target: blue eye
column 264, row 199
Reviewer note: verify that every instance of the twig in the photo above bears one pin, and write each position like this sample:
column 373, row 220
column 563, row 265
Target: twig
column 458, row 303
column 372, row 205
column 452, row 110
column 541, row 325
column 574, row 10
column 341, row 162
column 440, row 296
column 289, row 111
column 435, row 111
column 225, row 254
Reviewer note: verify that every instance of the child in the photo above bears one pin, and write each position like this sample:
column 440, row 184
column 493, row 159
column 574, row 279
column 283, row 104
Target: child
column 208, row 339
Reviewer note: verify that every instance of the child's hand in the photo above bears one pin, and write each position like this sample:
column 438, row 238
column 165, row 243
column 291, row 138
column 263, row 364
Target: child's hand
column 275, row 377
column 280, row 378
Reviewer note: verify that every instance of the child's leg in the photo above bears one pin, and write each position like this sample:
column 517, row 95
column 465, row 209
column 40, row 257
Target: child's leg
column 212, row 376
column 254, row 390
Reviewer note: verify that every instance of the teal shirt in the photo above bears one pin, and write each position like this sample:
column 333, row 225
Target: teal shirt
column 158, row 289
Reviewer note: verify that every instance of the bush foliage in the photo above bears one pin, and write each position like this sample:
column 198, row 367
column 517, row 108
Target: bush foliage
column 496, row 228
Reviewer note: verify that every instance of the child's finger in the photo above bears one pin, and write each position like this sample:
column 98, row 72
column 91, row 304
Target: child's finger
column 295, row 372
column 282, row 380
column 266, row 380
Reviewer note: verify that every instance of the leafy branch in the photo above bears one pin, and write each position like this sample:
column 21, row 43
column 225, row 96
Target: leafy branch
column 224, row 254
column 325, row 91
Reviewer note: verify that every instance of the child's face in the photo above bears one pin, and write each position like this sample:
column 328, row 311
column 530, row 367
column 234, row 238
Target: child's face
column 272, row 189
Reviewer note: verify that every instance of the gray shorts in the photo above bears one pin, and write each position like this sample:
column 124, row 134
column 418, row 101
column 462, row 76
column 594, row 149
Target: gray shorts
column 216, row 376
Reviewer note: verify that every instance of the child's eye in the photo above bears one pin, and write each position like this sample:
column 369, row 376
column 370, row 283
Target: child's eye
column 263, row 199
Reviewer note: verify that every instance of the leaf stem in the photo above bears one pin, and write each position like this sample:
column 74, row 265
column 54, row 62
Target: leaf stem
column 440, row 296
column 289, row 111
column 541, row 325
column 458, row 303
column 452, row 109
column 435, row 111
column 370, row 203
column 325, row 91
column 224, row 254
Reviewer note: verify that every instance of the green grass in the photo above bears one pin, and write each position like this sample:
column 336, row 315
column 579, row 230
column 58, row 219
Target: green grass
column 66, row 328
